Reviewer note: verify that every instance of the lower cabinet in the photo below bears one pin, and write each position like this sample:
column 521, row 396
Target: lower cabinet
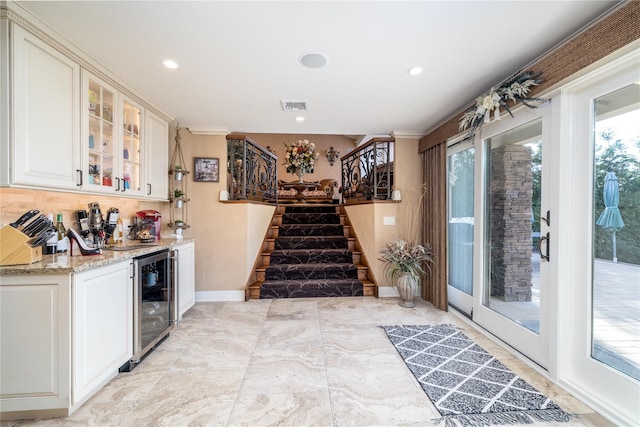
column 35, row 342
column 103, row 336
column 62, row 337
column 185, row 277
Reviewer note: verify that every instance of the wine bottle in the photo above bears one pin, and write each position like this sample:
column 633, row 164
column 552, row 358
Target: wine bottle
column 52, row 243
column 63, row 240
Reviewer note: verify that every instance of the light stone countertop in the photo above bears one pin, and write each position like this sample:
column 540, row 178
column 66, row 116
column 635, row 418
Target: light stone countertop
column 62, row 263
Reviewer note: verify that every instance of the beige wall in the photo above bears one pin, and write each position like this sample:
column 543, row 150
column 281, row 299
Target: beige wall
column 368, row 219
column 228, row 235
column 323, row 169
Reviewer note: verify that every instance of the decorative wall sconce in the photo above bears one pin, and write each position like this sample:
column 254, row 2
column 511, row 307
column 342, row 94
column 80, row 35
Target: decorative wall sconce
column 332, row 155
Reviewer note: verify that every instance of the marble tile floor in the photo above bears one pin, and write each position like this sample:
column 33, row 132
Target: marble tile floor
column 286, row 362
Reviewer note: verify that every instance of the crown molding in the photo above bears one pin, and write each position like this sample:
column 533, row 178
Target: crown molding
column 209, row 131
column 76, row 55
column 409, row 135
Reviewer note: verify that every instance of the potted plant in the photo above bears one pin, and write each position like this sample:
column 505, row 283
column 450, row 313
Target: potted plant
column 178, row 173
column 404, row 265
column 179, row 197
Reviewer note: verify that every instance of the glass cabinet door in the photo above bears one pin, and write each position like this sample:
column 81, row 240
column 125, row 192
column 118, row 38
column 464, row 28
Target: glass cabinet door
column 100, row 140
column 131, row 147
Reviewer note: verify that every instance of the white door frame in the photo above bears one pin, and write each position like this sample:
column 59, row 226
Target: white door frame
column 459, row 299
column 534, row 346
column 605, row 389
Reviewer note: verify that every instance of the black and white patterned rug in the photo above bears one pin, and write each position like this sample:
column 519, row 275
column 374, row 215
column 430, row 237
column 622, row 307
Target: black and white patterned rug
column 468, row 386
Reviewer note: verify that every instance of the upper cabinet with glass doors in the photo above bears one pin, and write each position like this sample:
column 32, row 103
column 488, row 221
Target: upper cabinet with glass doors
column 100, row 141
column 115, row 143
column 131, row 147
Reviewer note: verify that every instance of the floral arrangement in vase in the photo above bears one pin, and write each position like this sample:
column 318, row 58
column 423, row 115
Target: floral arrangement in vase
column 300, row 157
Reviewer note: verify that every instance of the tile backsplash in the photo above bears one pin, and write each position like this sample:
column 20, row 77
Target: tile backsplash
column 15, row 201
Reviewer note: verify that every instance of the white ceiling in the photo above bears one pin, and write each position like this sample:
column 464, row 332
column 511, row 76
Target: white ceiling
column 239, row 59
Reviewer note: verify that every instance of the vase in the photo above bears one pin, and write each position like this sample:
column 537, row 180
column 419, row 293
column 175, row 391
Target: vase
column 407, row 286
column 300, row 174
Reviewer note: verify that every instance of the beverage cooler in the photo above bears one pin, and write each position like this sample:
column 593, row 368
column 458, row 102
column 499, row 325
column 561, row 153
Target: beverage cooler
column 154, row 308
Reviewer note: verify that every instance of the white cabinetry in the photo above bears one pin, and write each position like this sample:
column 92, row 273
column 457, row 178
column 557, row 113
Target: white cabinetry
column 185, row 277
column 62, row 337
column 63, row 128
column 45, row 145
column 103, row 318
column 157, row 157
column 101, row 168
column 35, row 332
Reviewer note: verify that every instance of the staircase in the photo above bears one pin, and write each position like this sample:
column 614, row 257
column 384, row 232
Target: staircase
column 309, row 252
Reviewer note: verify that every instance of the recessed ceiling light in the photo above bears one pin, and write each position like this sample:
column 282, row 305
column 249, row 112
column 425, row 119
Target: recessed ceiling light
column 313, row 60
column 414, row 71
column 299, row 119
column 169, row 63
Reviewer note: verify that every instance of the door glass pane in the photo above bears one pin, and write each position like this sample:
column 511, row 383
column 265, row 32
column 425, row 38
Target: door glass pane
column 131, row 147
column 460, row 170
column 513, row 178
column 616, row 231
column 101, row 156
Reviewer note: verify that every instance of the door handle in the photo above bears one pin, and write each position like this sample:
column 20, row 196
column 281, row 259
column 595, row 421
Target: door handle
column 78, row 177
column 148, row 189
column 545, row 239
column 547, row 219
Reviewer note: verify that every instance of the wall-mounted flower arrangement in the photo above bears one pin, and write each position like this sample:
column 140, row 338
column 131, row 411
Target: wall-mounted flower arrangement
column 515, row 90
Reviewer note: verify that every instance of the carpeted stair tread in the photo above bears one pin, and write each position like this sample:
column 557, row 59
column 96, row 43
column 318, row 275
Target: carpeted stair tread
column 310, row 256
column 311, row 271
column 311, row 218
column 311, row 230
column 311, row 288
column 310, row 209
column 311, row 242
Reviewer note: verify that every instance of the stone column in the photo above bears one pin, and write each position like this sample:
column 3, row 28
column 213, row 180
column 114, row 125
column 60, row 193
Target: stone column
column 511, row 197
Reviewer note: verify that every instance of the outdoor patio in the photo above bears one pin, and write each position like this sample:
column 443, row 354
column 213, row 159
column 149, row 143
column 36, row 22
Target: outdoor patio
column 616, row 322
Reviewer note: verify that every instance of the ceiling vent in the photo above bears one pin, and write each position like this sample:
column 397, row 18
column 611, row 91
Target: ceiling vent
column 294, row 105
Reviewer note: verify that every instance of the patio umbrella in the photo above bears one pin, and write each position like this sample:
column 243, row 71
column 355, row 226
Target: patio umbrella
column 610, row 218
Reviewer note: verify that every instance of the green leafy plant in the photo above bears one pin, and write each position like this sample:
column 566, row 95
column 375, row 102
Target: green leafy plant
column 178, row 193
column 400, row 256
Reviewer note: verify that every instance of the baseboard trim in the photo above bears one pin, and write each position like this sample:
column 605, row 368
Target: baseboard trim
column 387, row 292
column 218, row 296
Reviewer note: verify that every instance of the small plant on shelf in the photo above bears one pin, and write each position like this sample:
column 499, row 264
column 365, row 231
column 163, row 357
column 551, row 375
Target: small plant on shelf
column 178, row 193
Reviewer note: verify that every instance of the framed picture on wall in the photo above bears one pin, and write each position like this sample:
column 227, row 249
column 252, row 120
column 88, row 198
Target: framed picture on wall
column 206, row 169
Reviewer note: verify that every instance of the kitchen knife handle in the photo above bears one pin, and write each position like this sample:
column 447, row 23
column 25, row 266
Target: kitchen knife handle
column 24, row 218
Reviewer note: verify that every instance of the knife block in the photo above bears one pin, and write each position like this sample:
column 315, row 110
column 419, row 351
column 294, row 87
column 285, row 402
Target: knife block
column 14, row 249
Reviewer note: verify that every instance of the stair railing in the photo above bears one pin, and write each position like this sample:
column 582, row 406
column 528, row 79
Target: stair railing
column 252, row 170
column 367, row 171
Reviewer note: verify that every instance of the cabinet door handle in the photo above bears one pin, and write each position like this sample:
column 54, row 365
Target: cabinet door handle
column 148, row 189
column 124, row 187
column 118, row 187
column 78, row 177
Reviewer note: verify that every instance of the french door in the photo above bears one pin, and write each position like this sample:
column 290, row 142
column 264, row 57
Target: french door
column 600, row 325
column 548, row 260
column 497, row 199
